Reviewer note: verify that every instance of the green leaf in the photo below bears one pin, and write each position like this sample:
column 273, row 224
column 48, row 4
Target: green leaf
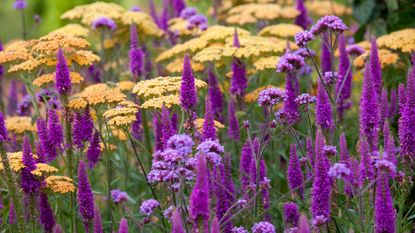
column 363, row 10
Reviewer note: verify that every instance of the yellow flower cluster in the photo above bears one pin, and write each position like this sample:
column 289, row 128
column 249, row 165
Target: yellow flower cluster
column 96, row 94
column 282, row 30
column 402, row 40
column 89, row 12
column 43, row 169
column 15, row 51
column 322, row 8
column 176, row 66
column 60, row 184
column 72, row 29
column 265, row 63
column 42, row 51
column 211, row 36
column 145, row 23
column 199, row 124
column 125, row 85
column 252, row 47
column 252, row 12
column 47, row 79
column 161, row 91
column 20, row 124
column 122, row 115
column 386, row 58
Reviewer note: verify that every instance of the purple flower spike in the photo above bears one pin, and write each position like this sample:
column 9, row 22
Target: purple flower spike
column 406, row 122
column 383, row 107
column 94, row 150
column 136, row 55
column 245, row 162
column 188, row 94
column 303, row 226
column 294, row 173
column 291, row 215
column 166, row 125
column 199, row 198
column 321, row 191
column 290, row 62
column 46, row 213
column 369, row 112
column 85, row 196
column 63, row 83
column 178, row 6
column 57, row 229
column 177, row 225
column 366, row 169
column 302, row 20
column 375, row 67
column 385, row 213
column 123, row 226
column 344, row 83
column 215, row 95
column 215, row 228
column 29, row 183
column 209, row 130
column 328, row 23
column 355, row 50
column 323, row 108
column 13, row 98
column 393, row 104
column 3, row 130
column 104, row 22
column 233, row 130
column 291, row 113
column 326, row 65
column 97, row 221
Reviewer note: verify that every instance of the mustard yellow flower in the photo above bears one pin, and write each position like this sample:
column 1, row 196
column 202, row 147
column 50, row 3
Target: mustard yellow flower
column 20, row 124
column 89, row 12
column 43, row 169
column 60, row 184
column 253, row 96
column 322, row 8
column 402, row 40
column 176, row 66
column 72, row 29
column 199, row 124
column 282, row 30
column 265, row 63
column 46, row 79
column 386, row 58
column 144, row 22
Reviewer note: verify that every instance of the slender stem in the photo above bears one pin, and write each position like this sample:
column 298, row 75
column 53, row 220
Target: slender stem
column 146, row 130
column 24, row 33
column 342, row 85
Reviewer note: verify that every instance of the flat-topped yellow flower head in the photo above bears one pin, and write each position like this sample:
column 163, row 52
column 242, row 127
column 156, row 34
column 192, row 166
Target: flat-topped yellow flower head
column 72, row 29
column 386, row 58
column 252, row 12
column 60, row 184
column 20, row 125
column 283, row 30
column 322, row 8
column 402, row 40
column 89, row 12
column 47, row 79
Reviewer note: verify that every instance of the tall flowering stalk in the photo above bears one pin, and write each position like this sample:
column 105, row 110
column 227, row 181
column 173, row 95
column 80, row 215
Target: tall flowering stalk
column 294, row 173
column 85, row 196
column 136, row 54
column 234, row 130
column 239, row 81
column 344, row 81
column 375, row 67
column 11, row 183
column 215, row 95
column 324, row 113
column 188, row 95
column 199, row 198
column 47, row 217
column 406, row 126
column 302, row 19
column 385, row 213
column 63, row 83
column 209, row 130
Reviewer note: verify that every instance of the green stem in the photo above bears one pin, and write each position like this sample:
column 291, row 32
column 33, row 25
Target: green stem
column 24, row 33
column 11, row 183
column 146, row 130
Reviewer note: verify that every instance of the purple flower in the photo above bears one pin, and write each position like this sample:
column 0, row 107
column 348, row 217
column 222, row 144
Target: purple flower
column 13, row 98
column 97, row 221
column 188, row 12
column 29, row 183
column 47, row 219
column 375, row 67
column 291, row 215
column 383, row 107
column 215, row 228
column 290, row 62
column 330, row 77
column 366, row 170
column 85, row 196
column 385, row 213
column 339, row 171
column 302, row 38
column 94, row 150
column 104, row 22
column 19, row 4
column 328, row 23
column 188, row 95
column 271, row 96
column 323, row 108
column 239, row 230
column 302, row 19
column 123, row 228
column 393, row 104
column 176, row 220
column 263, row 227
column 119, row 196
column 182, row 143
column 354, row 50
column 166, row 125
column 329, row 150
column 386, row 165
column 58, row 229
column 291, row 113
column 82, row 128
column 148, row 206
column 326, row 54
column 63, row 83
column 225, row 191
column 321, row 190
column 303, row 226
column 294, row 173
column 344, row 83
column 245, row 162
column 369, row 112
column 233, row 124
column 211, row 150
column 158, row 132
column 199, row 198
column 135, row 9
column 178, row 7
column 406, row 122
column 135, row 54
column 209, row 130
column 3, row 130
column 136, row 127
column 305, row 99
column 197, row 21
column 215, row 94
column 12, row 214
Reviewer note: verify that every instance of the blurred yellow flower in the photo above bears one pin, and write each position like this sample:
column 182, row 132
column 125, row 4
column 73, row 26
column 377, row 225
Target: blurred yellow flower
column 402, row 40
column 60, row 184
column 96, row 94
column 199, row 124
column 72, row 29
column 89, row 12
column 46, row 79
column 386, row 58
column 43, row 169
column 145, row 23
column 157, row 102
column 282, row 30
column 322, row 8
column 253, row 96
column 265, row 63
column 20, row 124
column 251, row 12
column 176, row 66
